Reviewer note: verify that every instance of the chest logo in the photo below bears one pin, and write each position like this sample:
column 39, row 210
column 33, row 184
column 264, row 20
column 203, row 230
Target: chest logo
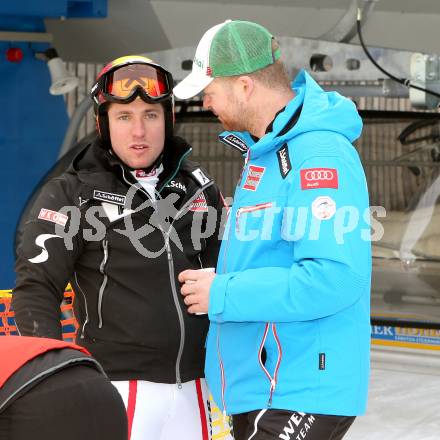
column 82, row 201
column 177, row 185
column 103, row 196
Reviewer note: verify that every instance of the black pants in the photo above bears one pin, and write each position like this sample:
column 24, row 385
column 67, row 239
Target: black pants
column 77, row 403
column 289, row 425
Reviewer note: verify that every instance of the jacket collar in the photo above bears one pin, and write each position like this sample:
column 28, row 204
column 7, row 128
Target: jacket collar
column 96, row 166
column 312, row 109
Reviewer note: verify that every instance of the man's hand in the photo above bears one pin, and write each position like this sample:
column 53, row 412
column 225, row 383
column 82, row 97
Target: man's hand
column 195, row 289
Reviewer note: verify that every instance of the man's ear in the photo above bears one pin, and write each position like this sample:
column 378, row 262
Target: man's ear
column 246, row 85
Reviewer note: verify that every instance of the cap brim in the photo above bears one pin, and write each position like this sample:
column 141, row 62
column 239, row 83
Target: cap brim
column 191, row 86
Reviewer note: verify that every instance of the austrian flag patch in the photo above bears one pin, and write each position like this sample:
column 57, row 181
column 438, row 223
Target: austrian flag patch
column 253, row 177
column 199, row 204
column 314, row 178
column 53, row 216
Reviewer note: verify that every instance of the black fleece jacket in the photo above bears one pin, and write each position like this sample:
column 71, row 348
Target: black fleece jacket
column 95, row 227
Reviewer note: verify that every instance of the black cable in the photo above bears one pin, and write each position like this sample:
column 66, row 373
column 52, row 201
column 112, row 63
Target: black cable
column 405, row 82
column 413, row 127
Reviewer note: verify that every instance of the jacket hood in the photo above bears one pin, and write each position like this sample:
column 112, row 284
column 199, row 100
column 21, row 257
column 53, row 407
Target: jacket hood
column 313, row 110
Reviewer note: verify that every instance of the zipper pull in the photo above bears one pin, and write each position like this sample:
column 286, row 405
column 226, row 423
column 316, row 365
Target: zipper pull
column 269, row 403
column 272, row 389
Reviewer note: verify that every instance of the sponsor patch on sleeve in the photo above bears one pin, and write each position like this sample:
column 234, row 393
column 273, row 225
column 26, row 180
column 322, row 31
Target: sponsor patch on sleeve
column 253, row 178
column 323, row 208
column 314, row 178
column 53, row 216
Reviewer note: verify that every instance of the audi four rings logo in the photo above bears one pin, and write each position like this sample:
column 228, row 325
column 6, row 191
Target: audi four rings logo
column 314, row 178
column 319, row 175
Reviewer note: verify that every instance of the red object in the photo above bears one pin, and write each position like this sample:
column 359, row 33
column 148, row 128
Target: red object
column 18, row 350
column 199, row 205
column 313, row 178
column 253, row 178
column 131, row 405
column 53, row 216
column 202, row 410
column 14, row 54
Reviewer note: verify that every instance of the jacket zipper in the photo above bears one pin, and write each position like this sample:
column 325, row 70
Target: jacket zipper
column 172, row 279
column 273, row 380
column 85, row 303
column 245, row 209
column 200, row 261
column 227, row 243
column 104, row 280
column 248, row 157
column 222, row 372
column 171, row 271
column 225, row 253
column 173, row 287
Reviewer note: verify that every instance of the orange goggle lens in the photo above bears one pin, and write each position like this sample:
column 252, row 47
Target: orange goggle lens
column 122, row 82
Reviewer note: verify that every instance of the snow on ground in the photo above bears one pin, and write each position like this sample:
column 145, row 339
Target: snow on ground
column 404, row 398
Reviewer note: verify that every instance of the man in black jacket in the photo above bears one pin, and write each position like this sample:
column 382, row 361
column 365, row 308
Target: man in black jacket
column 129, row 214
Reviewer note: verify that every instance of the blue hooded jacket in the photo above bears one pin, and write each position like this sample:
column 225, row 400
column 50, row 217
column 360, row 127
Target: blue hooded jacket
column 290, row 306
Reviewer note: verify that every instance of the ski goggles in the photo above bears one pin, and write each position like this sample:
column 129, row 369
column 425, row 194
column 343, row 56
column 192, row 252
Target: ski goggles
column 124, row 84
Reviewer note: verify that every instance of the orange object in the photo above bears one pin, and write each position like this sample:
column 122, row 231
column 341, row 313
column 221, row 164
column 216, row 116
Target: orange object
column 68, row 321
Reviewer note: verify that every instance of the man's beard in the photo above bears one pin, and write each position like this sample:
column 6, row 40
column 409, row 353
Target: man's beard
column 234, row 123
column 239, row 117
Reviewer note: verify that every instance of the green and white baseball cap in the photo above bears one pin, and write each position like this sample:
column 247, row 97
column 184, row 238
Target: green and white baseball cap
column 228, row 49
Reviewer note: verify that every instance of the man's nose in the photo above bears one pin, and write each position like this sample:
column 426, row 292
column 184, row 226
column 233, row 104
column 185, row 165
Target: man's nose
column 138, row 128
column 206, row 102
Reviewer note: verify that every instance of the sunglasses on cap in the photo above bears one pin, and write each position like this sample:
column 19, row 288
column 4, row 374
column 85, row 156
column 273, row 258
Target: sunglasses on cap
column 124, row 84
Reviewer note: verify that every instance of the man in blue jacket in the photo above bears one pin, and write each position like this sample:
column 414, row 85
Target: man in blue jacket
column 288, row 345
